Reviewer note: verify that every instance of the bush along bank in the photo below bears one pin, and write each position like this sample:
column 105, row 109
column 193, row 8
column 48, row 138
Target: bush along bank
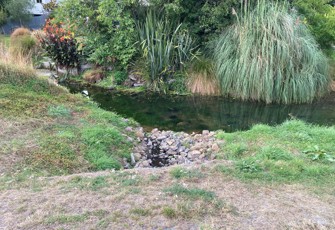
column 159, row 45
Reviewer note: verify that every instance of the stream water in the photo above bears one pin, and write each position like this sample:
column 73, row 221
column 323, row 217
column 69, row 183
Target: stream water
column 196, row 113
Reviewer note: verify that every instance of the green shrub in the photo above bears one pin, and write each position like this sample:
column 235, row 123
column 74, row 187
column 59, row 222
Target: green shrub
column 178, row 84
column 270, row 56
column 105, row 28
column 121, row 29
column 202, row 18
column 120, row 77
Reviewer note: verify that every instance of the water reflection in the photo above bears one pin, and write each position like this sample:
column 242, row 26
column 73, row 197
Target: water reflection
column 195, row 113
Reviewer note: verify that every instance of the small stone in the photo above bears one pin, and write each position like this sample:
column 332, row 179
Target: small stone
column 164, row 146
column 162, row 137
column 155, row 130
column 215, row 147
column 174, row 147
column 173, row 161
column 202, row 156
column 132, row 77
column 146, row 163
column 211, row 134
column 197, row 136
column 181, row 160
column 132, row 158
column 130, row 139
column 137, row 156
column 197, row 146
column 129, row 129
column 181, row 149
column 194, row 154
column 170, row 152
column 170, row 142
column 205, row 132
column 139, row 134
column 183, row 154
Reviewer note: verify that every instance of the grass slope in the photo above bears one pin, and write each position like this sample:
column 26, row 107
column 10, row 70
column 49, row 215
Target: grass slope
column 294, row 152
column 49, row 131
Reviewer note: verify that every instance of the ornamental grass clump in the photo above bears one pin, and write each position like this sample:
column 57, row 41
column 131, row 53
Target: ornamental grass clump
column 269, row 55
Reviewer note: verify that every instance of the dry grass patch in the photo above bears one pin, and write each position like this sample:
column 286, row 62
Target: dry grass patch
column 201, row 78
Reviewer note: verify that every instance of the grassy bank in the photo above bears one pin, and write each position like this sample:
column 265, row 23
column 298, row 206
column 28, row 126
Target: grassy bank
column 48, row 131
column 54, row 147
column 294, row 152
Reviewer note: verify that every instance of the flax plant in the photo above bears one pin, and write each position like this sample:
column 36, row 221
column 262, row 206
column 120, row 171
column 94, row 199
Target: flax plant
column 269, row 55
column 165, row 47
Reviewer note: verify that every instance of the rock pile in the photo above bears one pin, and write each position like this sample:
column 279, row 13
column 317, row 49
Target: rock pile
column 165, row 148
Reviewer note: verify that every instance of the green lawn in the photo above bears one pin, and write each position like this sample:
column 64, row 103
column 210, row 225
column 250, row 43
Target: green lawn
column 294, row 152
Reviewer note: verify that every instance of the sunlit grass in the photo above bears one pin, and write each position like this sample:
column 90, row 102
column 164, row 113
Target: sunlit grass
column 294, row 152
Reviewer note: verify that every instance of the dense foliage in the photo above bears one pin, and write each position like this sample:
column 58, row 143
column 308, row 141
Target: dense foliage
column 106, row 29
column 115, row 34
column 17, row 10
column 269, row 55
column 202, row 18
column 60, row 45
column 319, row 15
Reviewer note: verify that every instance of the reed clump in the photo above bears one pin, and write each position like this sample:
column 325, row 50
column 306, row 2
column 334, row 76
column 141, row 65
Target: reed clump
column 22, row 42
column 269, row 55
column 201, row 78
column 165, row 48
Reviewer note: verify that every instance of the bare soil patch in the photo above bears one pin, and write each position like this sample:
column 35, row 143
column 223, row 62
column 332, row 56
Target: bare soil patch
column 120, row 203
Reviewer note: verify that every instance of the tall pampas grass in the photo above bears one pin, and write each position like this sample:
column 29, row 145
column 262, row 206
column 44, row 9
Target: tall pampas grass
column 269, row 55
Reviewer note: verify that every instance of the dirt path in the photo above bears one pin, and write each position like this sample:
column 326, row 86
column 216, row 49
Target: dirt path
column 136, row 200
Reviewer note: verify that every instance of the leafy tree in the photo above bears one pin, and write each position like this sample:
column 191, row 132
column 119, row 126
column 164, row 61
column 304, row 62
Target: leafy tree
column 18, row 10
column 204, row 19
column 320, row 18
column 3, row 16
column 106, row 28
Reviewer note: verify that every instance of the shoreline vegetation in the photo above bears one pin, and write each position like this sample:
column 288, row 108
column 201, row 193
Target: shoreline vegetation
column 55, row 145
column 165, row 56
column 70, row 132
column 65, row 163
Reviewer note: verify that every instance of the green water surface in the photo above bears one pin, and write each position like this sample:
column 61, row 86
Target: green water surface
column 196, row 113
